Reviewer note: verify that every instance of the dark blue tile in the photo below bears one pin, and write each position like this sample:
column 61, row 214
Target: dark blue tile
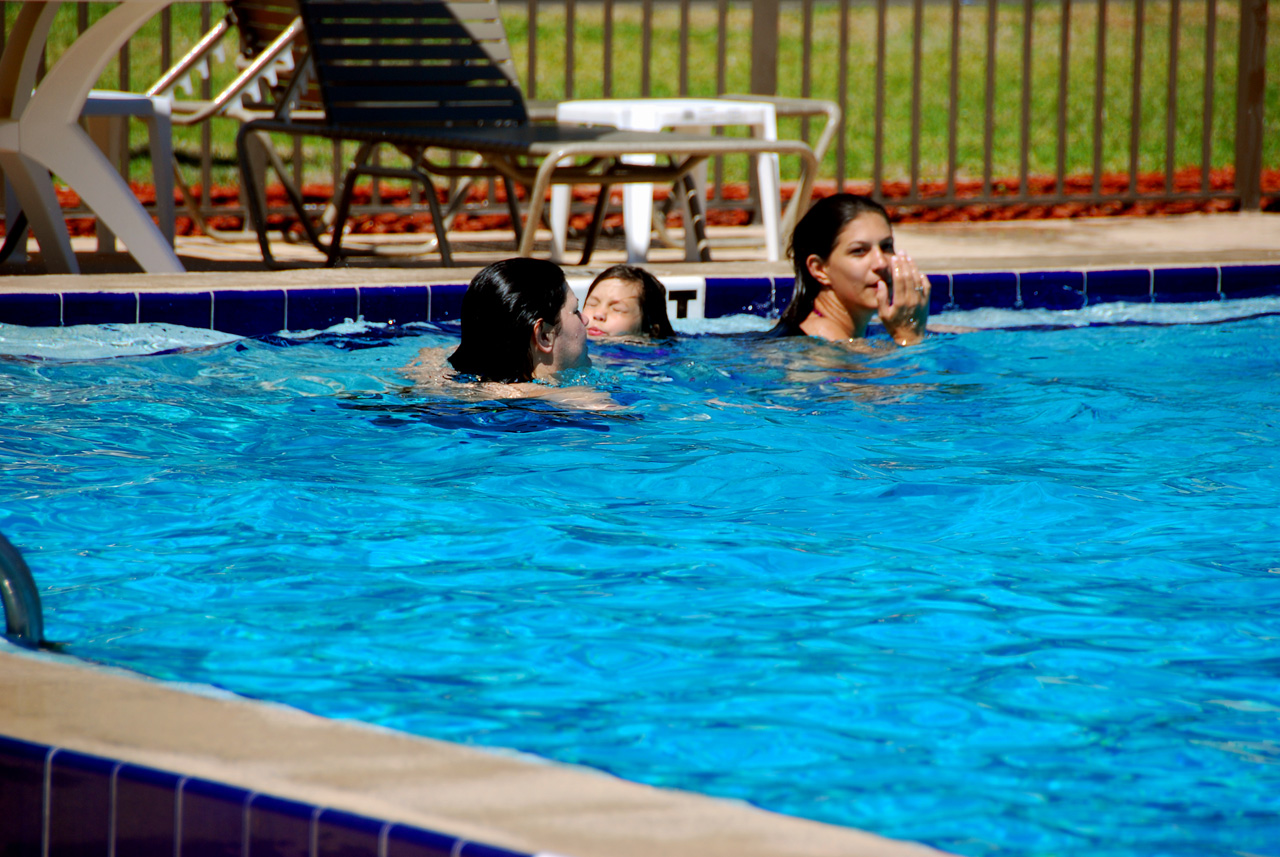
column 1186, row 285
column 1051, row 289
column 249, row 313
column 1250, row 281
column 189, row 309
column 99, row 308
column 939, row 292
column 31, row 310
column 476, row 849
column 446, row 302
column 21, row 797
column 399, row 304
column 341, row 834
column 146, row 821
column 783, row 289
column 279, row 828
column 316, row 309
column 213, row 819
column 737, row 295
column 405, row 841
column 1128, row 285
column 79, row 804
column 994, row 289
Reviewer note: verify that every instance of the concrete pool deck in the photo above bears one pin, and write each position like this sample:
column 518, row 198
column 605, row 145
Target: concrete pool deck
column 502, row 800
column 1193, row 239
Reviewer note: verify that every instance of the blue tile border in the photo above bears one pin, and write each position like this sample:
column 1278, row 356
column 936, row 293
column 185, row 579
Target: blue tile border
column 446, row 302
column 737, row 296
column 399, row 304
column 274, row 824
column 976, row 291
column 249, row 312
column 1249, row 281
column 1057, row 290
column 1185, row 285
column 99, row 308
column 33, row 310
column 317, row 309
column 189, row 309
column 1129, row 285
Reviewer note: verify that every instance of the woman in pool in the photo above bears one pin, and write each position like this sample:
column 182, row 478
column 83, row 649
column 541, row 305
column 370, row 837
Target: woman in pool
column 627, row 301
column 847, row 273
column 520, row 323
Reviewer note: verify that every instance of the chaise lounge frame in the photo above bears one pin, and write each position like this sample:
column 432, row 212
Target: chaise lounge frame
column 430, row 76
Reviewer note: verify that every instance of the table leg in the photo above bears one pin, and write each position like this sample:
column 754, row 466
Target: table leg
column 768, row 174
column 637, row 214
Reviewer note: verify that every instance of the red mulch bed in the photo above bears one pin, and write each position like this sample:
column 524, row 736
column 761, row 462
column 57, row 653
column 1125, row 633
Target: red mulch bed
column 1185, row 181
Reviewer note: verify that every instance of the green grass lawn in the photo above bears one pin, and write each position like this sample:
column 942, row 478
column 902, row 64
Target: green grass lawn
column 824, row 52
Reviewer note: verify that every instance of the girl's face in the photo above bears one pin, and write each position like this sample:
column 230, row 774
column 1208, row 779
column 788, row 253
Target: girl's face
column 613, row 308
column 858, row 263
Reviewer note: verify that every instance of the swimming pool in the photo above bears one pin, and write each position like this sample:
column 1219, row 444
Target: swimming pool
column 1010, row 590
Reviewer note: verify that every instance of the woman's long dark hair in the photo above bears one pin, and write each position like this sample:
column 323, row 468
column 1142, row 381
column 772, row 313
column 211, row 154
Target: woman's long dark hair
column 499, row 310
column 653, row 298
column 816, row 235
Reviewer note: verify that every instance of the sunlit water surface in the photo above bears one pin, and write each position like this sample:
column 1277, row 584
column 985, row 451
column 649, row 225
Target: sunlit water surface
column 1013, row 591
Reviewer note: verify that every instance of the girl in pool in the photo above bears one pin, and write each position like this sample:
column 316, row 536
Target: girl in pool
column 520, row 323
column 627, row 301
column 847, row 273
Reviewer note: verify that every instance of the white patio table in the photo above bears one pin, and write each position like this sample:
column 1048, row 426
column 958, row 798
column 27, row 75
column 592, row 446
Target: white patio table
column 40, row 133
column 654, row 114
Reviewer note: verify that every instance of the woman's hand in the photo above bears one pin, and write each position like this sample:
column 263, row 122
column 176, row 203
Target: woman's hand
column 906, row 317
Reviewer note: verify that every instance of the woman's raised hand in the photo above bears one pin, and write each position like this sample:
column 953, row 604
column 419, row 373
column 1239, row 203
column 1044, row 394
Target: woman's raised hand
column 906, row 317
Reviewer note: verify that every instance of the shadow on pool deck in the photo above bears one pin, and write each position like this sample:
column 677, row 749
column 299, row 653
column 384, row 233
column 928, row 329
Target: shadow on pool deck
column 1193, row 239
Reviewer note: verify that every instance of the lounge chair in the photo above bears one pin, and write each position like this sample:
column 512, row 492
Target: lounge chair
column 271, row 51
column 428, row 77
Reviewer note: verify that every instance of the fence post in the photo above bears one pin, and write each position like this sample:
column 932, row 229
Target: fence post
column 764, row 47
column 1250, row 90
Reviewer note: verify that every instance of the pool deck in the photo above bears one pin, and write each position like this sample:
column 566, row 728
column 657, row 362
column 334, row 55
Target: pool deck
column 1086, row 243
column 504, row 800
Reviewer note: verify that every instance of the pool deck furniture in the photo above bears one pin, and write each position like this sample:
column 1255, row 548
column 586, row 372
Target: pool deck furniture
column 654, row 114
column 685, row 111
column 271, row 50
column 107, row 113
column 383, row 82
column 40, row 133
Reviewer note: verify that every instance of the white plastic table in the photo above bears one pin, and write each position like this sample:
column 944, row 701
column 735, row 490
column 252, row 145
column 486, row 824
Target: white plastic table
column 654, row 114
column 40, row 133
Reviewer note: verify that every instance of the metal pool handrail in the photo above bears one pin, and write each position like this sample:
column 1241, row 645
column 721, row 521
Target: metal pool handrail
column 24, row 618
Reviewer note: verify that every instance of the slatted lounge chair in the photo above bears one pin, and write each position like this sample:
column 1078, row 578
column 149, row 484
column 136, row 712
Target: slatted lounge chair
column 429, row 77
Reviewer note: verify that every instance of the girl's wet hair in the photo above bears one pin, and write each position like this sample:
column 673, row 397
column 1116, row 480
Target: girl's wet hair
column 816, row 235
column 499, row 310
column 653, row 298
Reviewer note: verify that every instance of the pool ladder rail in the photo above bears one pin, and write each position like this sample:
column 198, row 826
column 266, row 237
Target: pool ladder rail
column 24, row 618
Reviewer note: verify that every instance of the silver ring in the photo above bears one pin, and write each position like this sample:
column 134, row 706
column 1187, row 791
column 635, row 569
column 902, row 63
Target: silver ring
column 919, row 288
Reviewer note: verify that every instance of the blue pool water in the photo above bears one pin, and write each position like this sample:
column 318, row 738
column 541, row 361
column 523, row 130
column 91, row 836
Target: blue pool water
column 1009, row 592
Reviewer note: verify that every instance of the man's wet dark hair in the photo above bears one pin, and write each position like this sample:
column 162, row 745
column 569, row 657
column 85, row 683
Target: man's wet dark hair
column 653, row 298
column 816, row 235
column 499, row 310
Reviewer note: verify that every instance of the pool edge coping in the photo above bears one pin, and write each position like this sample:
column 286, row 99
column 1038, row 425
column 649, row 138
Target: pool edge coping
column 503, row 799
